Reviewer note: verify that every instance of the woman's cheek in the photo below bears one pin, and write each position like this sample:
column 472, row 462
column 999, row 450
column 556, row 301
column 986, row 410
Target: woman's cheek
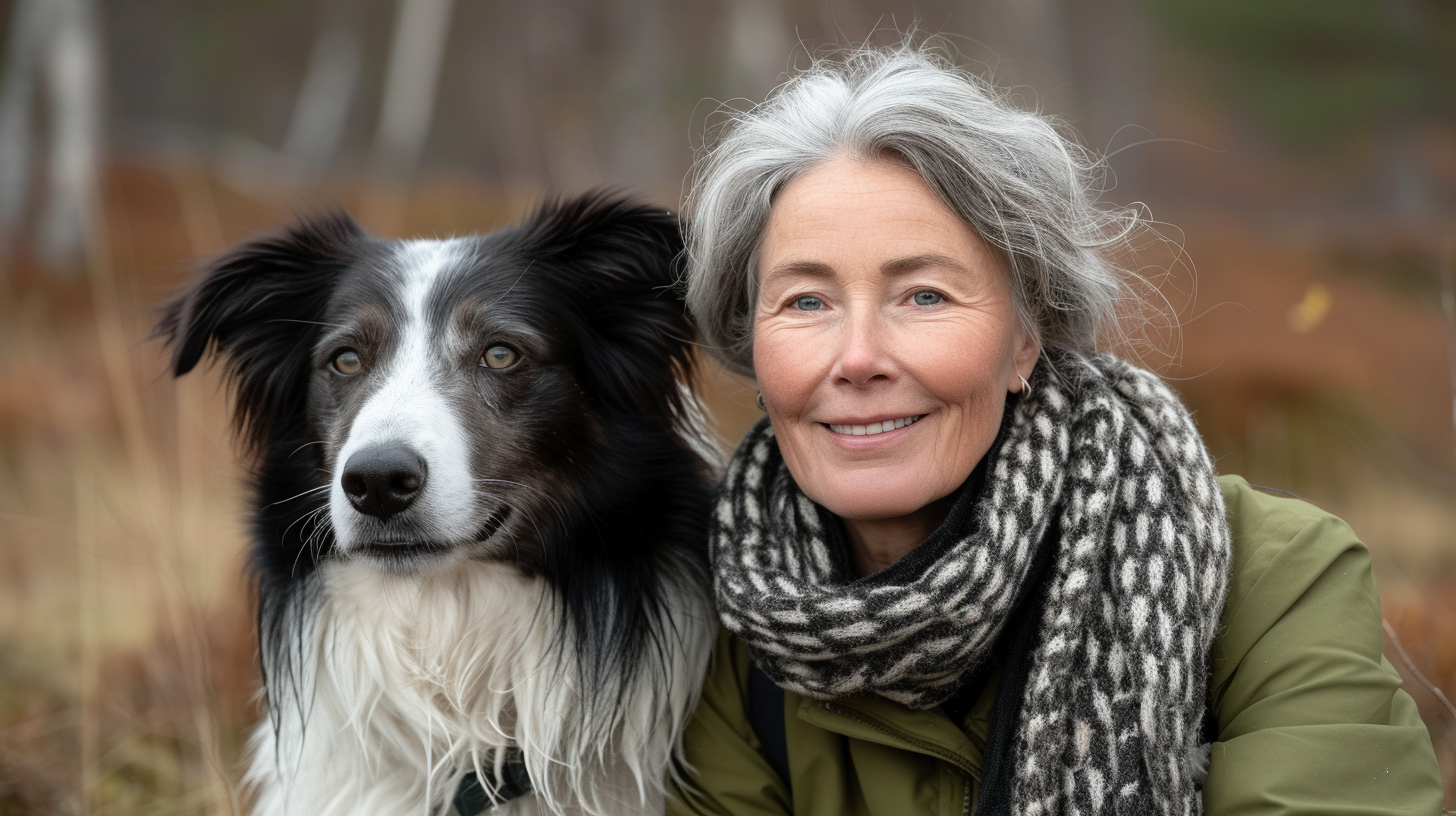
column 787, row 361
column 964, row 370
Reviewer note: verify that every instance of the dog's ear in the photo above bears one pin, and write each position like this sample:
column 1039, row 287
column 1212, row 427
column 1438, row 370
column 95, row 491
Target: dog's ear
column 624, row 258
column 258, row 308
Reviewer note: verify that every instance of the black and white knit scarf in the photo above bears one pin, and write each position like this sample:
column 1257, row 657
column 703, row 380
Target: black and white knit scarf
column 1104, row 457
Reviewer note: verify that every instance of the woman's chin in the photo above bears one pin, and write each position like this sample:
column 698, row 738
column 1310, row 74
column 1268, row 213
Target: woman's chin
column 878, row 494
column 874, row 482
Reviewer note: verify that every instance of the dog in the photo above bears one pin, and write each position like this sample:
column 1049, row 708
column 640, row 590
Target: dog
column 480, row 497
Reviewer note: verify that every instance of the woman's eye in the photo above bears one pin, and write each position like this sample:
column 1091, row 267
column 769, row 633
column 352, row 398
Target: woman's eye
column 808, row 304
column 927, row 298
column 498, row 357
column 348, row 362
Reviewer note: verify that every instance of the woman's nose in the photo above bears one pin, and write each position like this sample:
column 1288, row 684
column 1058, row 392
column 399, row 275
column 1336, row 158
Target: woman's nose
column 862, row 356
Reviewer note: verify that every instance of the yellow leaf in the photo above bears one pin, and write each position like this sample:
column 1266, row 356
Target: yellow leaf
column 1311, row 311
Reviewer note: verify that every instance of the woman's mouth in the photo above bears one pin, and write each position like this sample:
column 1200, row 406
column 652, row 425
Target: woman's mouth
column 874, row 427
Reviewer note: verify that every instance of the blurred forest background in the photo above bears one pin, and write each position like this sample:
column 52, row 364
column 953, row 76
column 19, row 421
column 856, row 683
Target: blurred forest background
column 1299, row 156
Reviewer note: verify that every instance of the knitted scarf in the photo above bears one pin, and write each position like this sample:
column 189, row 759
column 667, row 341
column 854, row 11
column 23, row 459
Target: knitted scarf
column 1098, row 473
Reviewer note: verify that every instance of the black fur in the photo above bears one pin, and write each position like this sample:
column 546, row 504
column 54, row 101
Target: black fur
column 593, row 419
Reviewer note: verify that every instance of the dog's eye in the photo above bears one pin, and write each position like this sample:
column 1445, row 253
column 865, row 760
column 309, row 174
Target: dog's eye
column 498, row 357
column 348, row 362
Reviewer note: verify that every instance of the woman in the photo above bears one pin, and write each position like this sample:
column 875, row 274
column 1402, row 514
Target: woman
column 989, row 570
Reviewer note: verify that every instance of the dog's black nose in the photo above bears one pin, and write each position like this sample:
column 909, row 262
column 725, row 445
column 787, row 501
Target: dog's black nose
column 383, row 480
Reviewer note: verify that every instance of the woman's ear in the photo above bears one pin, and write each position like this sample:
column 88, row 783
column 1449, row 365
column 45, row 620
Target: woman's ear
column 1024, row 354
column 257, row 307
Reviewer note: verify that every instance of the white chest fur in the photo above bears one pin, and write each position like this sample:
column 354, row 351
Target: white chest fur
column 408, row 682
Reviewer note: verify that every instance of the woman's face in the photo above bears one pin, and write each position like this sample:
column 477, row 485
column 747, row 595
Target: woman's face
column 885, row 340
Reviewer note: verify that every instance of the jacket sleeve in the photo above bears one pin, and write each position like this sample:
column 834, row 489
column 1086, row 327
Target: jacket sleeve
column 1311, row 718
column 724, row 772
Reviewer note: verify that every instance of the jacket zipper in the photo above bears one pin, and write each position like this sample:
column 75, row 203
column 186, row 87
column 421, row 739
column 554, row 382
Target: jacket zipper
column 929, row 748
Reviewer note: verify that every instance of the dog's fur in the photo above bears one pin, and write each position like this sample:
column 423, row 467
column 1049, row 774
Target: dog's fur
column 545, row 592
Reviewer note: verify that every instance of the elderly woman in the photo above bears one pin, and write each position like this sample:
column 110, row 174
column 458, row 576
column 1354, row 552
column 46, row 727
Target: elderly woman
column 966, row 564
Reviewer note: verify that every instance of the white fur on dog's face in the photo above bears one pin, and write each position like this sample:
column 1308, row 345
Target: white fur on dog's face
column 409, row 406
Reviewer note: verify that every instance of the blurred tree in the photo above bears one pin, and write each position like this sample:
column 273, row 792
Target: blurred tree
column 321, row 109
column 54, row 51
column 639, row 132
column 758, row 46
column 1321, row 73
column 408, row 107
column 1113, row 82
column 320, row 115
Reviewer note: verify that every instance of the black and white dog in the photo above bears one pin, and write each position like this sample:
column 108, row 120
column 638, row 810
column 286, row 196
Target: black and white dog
column 481, row 493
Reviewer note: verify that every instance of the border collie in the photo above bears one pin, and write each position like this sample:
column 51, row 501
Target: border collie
column 480, row 497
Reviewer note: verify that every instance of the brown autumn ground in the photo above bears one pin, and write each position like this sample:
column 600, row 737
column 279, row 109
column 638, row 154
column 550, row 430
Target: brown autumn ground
column 127, row 676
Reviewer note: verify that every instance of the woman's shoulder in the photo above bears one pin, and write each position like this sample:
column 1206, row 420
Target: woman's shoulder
column 1308, row 710
column 1287, row 553
column 1265, row 522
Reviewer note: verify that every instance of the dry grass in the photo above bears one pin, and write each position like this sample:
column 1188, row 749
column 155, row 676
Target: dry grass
column 125, row 646
column 127, row 676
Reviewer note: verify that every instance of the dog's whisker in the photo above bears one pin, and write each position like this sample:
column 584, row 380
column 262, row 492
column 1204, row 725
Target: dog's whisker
column 318, row 530
column 313, row 542
column 304, row 493
column 308, row 322
column 503, row 481
column 293, row 570
column 304, row 445
column 512, row 287
column 300, row 519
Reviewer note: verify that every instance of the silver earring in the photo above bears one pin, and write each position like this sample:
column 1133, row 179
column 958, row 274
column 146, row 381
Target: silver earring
column 759, row 399
column 1025, row 386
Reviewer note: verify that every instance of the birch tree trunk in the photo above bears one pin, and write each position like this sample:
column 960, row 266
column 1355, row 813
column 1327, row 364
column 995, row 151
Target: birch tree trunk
column 321, row 110
column 55, row 47
column 758, row 46
column 408, row 106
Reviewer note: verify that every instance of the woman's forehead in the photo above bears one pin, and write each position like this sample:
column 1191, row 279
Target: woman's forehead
column 868, row 214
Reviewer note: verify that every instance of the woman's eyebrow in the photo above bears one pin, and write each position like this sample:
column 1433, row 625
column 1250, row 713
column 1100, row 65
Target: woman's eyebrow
column 899, row 266
column 812, row 269
column 902, row 266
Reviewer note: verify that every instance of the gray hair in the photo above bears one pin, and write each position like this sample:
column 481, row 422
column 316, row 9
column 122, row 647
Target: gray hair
column 1021, row 185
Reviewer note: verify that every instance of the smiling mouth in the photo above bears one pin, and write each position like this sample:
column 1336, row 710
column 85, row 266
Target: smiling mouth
column 874, row 427
column 406, row 551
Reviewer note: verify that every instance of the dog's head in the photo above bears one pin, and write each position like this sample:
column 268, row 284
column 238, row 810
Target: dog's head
column 415, row 403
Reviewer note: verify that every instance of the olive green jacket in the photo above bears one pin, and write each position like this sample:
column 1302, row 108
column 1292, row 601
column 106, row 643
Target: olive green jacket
column 1311, row 718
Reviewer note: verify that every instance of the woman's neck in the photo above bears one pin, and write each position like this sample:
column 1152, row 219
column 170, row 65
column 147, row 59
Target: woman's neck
column 875, row 544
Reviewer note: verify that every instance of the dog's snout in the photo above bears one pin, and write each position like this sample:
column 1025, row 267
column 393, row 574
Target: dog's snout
column 383, row 480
